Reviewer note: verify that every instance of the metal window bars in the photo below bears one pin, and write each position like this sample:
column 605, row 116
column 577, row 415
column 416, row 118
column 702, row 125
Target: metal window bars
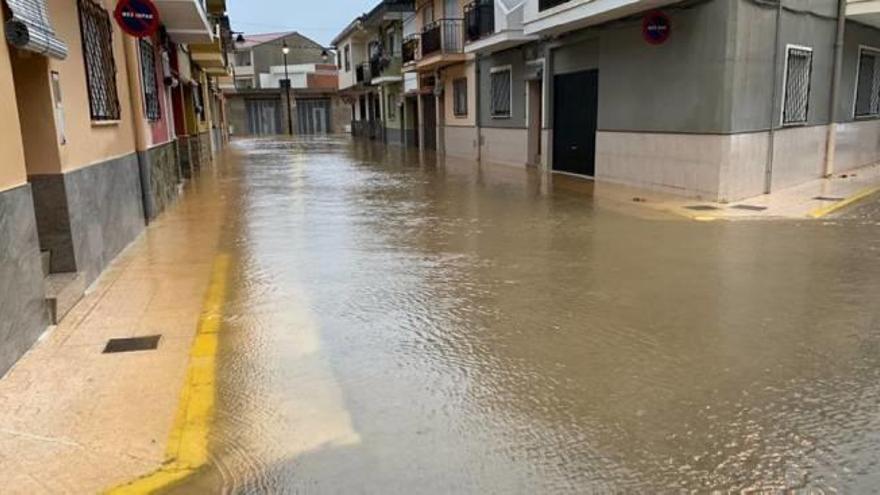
column 500, row 102
column 444, row 36
column 97, row 41
column 459, row 97
column 868, row 85
column 799, row 65
column 149, row 80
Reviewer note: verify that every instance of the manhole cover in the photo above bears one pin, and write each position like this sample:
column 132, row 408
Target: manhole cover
column 147, row 343
column 701, row 207
column 827, row 198
column 749, row 207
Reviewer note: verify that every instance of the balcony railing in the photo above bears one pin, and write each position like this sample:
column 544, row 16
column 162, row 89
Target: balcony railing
column 549, row 4
column 443, row 36
column 479, row 19
column 410, row 49
column 362, row 73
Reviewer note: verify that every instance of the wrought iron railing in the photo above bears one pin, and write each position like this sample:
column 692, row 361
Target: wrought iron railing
column 479, row 19
column 549, row 4
column 410, row 49
column 443, row 36
column 362, row 73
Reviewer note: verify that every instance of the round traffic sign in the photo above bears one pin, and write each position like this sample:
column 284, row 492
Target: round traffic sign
column 656, row 27
column 138, row 18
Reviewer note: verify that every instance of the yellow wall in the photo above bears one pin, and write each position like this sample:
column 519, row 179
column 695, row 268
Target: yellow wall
column 35, row 113
column 12, row 170
column 88, row 143
column 451, row 73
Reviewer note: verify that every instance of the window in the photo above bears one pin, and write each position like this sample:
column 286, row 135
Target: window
column 500, row 102
column 149, row 81
column 339, row 60
column 796, row 100
column 243, row 59
column 868, row 84
column 97, row 40
column 244, row 83
column 347, row 56
column 459, row 97
column 197, row 101
column 391, row 110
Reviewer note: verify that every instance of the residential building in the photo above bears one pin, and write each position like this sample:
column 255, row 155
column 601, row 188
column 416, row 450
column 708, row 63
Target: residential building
column 733, row 98
column 92, row 144
column 355, row 46
column 257, row 95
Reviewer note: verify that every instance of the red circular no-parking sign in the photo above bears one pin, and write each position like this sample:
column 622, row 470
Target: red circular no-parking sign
column 656, row 27
column 138, row 18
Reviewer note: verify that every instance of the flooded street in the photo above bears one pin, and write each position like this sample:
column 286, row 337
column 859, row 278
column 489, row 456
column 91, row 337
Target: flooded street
column 397, row 325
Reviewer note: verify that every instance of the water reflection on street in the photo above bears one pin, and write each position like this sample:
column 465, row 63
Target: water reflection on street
column 403, row 325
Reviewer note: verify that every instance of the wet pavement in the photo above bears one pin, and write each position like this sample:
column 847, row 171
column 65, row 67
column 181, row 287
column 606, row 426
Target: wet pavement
column 399, row 325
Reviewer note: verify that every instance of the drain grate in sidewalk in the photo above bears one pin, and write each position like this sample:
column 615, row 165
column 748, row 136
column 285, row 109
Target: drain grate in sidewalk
column 133, row 344
column 827, row 198
column 749, row 207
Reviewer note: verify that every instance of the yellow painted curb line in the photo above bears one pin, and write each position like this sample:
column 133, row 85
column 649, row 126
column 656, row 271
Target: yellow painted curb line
column 827, row 210
column 187, row 449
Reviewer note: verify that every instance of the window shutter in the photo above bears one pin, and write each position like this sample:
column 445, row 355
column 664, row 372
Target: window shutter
column 30, row 29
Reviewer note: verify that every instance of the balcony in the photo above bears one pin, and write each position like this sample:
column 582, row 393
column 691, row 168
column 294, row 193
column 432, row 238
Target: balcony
column 864, row 11
column 479, row 19
column 362, row 73
column 186, row 20
column 442, row 44
column 210, row 56
column 553, row 17
column 410, row 49
column 549, row 4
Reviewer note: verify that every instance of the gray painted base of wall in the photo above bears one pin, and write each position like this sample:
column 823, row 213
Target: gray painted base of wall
column 98, row 208
column 160, row 177
column 23, row 312
column 394, row 136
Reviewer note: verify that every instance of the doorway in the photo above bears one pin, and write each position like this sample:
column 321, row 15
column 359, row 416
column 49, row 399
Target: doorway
column 312, row 116
column 429, row 126
column 264, row 117
column 575, row 118
column 535, row 120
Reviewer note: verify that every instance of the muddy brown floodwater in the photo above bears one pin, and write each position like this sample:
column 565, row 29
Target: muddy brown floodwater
column 398, row 325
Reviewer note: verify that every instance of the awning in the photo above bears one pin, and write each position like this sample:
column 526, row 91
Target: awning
column 30, row 29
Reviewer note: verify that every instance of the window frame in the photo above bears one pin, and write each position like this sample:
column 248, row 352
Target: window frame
column 876, row 53
column 96, row 13
column 456, row 111
column 151, row 113
column 492, row 72
column 346, row 55
column 788, row 49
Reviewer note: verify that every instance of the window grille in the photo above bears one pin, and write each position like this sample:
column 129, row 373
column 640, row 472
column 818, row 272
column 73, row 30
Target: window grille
column 868, row 84
column 459, row 97
column 500, row 102
column 97, row 41
column 149, row 80
column 796, row 103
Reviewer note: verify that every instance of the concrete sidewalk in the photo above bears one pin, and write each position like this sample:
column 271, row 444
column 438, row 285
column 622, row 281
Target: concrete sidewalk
column 815, row 199
column 76, row 420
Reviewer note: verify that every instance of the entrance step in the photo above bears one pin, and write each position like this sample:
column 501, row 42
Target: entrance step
column 63, row 291
column 46, row 257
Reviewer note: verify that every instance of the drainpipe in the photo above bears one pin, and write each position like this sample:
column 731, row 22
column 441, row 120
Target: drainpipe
column 831, row 140
column 774, row 100
column 477, row 122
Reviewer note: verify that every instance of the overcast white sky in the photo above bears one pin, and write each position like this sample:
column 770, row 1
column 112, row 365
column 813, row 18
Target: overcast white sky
column 320, row 20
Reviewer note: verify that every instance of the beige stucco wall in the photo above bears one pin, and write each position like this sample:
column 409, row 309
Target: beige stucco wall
column 12, row 169
column 450, row 74
column 87, row 143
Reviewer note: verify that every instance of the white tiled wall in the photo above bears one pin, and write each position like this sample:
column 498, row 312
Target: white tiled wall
column 461, row 141
column 858, row 144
